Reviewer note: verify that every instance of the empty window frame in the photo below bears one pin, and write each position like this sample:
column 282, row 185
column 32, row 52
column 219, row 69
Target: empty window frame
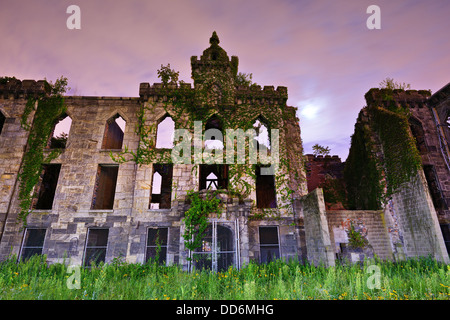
column 96, row 245
column 265, row 190
column 47, row 186
column 213, row 176
column 213, row 133
column 418, row 134
column 114, row 132
column 161, row 195
column 165, row 133
column 105, row 187
column 33, row 243
column 2, row 121
column 269, row 244
column 157, row 244
column 262, row 133
column 434, row 187
column 60, row 132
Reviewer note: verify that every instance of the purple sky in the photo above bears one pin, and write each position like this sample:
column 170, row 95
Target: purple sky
column 321, row 50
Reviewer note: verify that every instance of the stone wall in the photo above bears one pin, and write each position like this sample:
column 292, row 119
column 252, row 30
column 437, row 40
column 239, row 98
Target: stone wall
column 371, row 224
column 317, row 235
column 418, row 220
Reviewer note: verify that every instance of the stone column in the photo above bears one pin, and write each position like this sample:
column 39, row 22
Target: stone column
column 318, row 244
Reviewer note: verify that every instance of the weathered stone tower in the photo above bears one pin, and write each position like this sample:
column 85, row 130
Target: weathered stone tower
column 114, row 192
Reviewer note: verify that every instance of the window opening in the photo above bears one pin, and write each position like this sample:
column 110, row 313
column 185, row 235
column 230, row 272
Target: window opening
column 262, row 134
column 157, row 244
column 269, row 244
column 33, row 243
column 161, row 195
column 213, row 176
column 165, row 133
column 105, row 187
column 265, row 190
column 2, row 121
column 213, row 133
column 60, row 133
column 114, row 132
column 434, row 187
column 47, row 187
column 96, row 245
column 419, row 135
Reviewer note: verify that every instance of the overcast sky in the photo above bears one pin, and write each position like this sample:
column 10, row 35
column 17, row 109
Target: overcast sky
column 321, row 50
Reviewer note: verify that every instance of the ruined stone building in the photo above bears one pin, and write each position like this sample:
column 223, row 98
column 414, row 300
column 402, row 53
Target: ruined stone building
column 401, row 138
column 116, row 189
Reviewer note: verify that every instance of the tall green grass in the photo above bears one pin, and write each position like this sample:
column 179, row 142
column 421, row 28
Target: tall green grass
column 411, row 279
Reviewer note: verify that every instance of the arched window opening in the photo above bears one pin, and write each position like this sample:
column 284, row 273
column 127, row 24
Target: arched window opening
column 60, row 133
column 262, row 133
column 213, row 133
column 218, row 250
column 165, row 133
column 115, row 128
column 418, row 134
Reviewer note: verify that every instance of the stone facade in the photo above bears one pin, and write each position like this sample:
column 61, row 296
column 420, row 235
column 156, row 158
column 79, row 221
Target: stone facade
column 71, row 223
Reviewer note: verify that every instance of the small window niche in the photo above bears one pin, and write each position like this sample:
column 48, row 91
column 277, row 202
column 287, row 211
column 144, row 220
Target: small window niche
column 269, row 244
column 2, row 121
column 96, row 246
column 156, row 249
column 46, row 189
column 60, row 134
column 105, row 187
column 161, row 196
column 114, row 132
column 165, row 133
column 33, row 243
column 265, row 189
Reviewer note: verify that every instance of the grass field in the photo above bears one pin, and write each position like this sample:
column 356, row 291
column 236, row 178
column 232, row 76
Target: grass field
column 422, row 279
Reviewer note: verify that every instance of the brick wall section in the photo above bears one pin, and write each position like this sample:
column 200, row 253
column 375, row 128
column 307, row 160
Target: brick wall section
column 374, row 222
column 318, row 167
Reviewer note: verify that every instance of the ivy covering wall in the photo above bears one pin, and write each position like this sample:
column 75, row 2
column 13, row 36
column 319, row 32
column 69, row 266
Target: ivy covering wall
column 383, row 153
column 48, row 108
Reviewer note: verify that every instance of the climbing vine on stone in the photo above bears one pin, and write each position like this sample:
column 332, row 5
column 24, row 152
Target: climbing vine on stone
column 48, row 108
column 196, row 217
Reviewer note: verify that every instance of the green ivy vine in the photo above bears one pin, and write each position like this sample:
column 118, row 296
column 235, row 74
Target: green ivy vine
column 48, row 108
column 370, row 182
column 196, row 217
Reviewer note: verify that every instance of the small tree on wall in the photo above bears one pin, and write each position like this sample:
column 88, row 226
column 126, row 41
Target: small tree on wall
column 319, row 150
